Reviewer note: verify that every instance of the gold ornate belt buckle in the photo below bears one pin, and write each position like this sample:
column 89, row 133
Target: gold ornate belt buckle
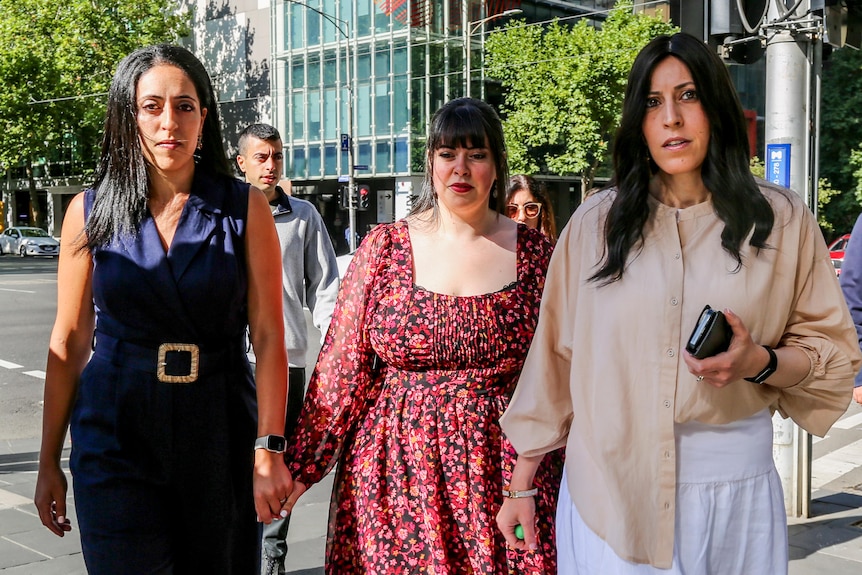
column 194, row 363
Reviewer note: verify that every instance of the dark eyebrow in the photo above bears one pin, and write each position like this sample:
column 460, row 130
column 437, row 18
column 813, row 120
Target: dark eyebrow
column 157, row 97
column 677, row 87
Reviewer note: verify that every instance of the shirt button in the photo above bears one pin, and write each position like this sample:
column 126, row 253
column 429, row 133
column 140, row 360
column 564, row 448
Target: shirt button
column 673, row 301
column 666, row 403
column 666, row 505
column 676, row 256
column 670, row 352
column 667, row 454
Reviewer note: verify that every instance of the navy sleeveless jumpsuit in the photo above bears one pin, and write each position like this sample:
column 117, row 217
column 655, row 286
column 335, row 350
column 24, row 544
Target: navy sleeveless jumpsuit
column 162, row 471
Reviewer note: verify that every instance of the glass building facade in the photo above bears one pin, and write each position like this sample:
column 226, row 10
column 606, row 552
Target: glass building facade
column 376, row 71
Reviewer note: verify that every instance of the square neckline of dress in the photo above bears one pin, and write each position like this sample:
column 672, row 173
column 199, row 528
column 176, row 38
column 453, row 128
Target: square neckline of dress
column 511, row 286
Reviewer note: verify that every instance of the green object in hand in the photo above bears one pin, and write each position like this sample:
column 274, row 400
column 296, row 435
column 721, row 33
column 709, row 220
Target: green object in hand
column 519, row 532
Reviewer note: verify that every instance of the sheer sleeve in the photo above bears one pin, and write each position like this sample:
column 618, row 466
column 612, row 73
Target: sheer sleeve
column 343, row 385
column 540, row 412
column 821, row 326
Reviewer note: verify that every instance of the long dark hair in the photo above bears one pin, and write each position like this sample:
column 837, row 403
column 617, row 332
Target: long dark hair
column 736, row 198
column 463, row 122
column 537, row 189
column 122, row 183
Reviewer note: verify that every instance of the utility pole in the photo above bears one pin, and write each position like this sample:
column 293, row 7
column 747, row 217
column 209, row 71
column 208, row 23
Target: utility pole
column 793, row 63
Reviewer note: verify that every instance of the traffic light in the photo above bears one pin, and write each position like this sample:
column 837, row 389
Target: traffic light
column 730, row 27
column 364, row 197
column 344, row 197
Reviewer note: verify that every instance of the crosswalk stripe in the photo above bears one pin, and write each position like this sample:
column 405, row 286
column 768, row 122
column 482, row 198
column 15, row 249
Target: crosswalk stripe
column 35, row 373
column 849, row 422
column 10, row 365
column 831, row 466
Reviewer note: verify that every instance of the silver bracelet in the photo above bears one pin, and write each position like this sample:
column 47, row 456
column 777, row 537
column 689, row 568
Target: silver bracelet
column 520, row 494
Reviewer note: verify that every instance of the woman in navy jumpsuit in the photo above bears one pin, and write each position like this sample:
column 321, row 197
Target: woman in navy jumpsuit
column 162, row 265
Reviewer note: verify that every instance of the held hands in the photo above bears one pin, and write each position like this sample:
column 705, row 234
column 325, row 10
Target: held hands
column 744, row 357
column 50, row 499
column 515, row 512
column 272, row 486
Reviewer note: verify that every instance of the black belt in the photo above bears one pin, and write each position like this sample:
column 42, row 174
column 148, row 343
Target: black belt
column 172, row 362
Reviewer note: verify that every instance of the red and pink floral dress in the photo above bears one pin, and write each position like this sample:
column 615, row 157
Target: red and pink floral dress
column 405, row 401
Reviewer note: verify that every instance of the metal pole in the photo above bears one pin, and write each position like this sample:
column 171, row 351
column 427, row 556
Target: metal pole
column 788, row 116
column 351, row 179
column 467, row 32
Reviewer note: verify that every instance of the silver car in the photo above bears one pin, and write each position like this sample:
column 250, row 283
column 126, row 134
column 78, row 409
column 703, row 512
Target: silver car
column 26, row 241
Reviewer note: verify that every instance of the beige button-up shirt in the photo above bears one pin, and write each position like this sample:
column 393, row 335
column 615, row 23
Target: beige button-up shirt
column 605, row 375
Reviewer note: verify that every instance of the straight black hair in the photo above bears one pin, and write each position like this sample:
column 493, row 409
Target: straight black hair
column 736, row 198
column 122, row 182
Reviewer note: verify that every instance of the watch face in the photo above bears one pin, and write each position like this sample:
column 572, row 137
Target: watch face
column 275, row 443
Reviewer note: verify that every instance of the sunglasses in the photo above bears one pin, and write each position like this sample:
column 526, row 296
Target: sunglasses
column 531, row 209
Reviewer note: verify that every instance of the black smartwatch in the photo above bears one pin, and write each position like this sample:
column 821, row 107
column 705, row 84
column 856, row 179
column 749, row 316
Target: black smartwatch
column 272, row 443
column 766, row 371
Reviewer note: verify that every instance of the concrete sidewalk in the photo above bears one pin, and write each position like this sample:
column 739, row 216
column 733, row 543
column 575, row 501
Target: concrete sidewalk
column 829, row 543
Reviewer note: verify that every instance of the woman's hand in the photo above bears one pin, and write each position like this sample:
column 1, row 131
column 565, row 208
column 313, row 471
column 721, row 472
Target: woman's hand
column 514, row 512
column 744, row 357
column 272, row 486
column 857, row 394
column 298, row 489
column 50, row 498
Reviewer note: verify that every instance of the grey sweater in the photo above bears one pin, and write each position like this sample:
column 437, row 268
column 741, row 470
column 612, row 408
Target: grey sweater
column 310, row 272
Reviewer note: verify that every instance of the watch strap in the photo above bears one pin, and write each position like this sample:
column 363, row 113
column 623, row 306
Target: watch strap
column 766, row 371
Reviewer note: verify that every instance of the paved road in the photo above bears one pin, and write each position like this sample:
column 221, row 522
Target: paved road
column 28, row 302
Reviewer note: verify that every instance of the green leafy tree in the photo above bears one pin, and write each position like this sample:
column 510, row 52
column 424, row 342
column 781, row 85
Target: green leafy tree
column 56, row 64
column 564, row 88
column 840, row 129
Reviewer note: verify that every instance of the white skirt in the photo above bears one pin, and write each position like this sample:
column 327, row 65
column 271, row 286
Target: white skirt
column 730, row 517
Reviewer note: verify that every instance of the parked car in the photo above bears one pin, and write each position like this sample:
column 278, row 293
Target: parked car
column 26, row 241
column 836, row 252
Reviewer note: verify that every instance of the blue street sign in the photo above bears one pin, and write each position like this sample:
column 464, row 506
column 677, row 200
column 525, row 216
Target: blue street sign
column 345, row 142
column 360, row 167
column 342, row 179
column 778, row 164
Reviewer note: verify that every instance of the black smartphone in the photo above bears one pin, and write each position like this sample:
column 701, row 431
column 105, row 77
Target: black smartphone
column 711, row 334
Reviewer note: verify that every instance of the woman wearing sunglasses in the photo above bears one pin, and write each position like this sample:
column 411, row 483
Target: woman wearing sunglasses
column 527, row 202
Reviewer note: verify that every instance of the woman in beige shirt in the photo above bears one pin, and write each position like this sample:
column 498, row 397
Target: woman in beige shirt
column 669, row 458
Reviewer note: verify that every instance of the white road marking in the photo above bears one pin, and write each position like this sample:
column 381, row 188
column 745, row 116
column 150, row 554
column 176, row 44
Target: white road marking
column 27, row 548
column 831, row 466
column 849, row 422
column 17, row 290
column 10, row 365
column 35, row 373
column 9, row 500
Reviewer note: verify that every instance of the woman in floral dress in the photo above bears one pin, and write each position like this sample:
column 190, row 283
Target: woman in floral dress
column 432, row 325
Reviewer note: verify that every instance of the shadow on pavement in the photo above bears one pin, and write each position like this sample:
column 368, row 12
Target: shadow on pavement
column 835, row 525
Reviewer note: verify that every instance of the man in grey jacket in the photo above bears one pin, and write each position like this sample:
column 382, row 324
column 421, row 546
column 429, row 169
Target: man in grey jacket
column 310, row 277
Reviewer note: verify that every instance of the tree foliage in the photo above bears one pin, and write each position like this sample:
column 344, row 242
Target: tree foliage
column 564, row 88
column 825, row 194
column 56, row 63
